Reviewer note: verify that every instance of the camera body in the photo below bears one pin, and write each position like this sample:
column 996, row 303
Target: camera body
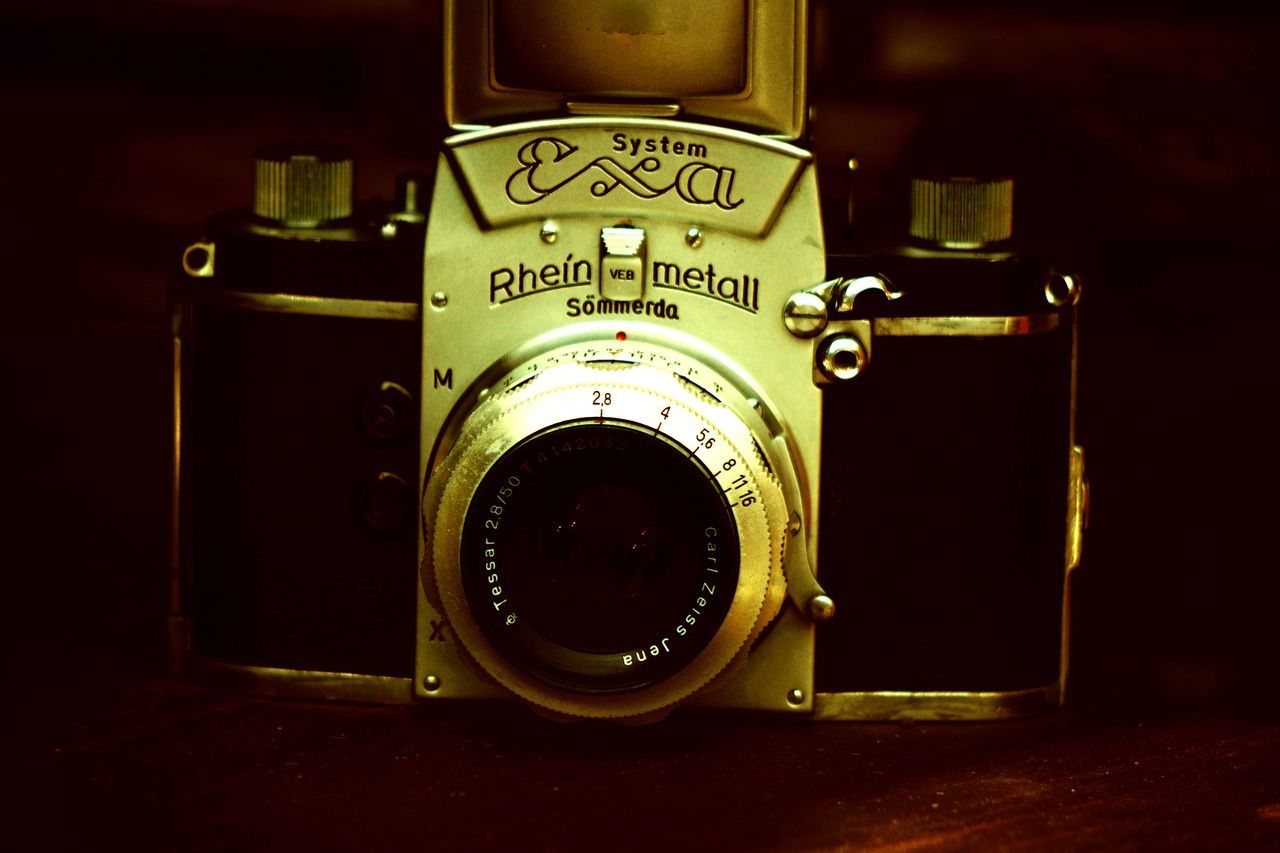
column 631, row 398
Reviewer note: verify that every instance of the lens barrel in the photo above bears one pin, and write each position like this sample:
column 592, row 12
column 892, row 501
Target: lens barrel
column 605, row 538
column 599, row 556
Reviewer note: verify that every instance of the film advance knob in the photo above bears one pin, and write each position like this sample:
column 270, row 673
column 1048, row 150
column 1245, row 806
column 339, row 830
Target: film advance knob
column 961, row 213
column 303, row 186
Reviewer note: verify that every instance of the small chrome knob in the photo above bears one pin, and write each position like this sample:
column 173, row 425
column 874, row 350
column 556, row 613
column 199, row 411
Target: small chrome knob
column 303, row 186
column 841, row 357
column 805, row 314
column 961, row 213
column 821, row 608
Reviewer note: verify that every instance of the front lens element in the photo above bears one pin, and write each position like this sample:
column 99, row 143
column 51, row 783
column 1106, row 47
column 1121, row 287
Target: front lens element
column 598, row 556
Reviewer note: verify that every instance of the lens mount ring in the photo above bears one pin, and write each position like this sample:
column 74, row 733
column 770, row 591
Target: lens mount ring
column 650, row 402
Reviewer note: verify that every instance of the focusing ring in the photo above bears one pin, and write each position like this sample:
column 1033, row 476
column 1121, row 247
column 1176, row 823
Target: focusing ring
column 642, row 398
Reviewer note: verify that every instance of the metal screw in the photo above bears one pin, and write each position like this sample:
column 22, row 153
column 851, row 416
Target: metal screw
column 693, row 237
column 794, row 524
column 805, row 314
column 795, row 696
column 431, row 684
column 841, row 358
column 550, row 232
column 821, row 608
column 439, row 299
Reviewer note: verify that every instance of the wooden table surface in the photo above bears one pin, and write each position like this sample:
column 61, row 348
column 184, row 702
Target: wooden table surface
column 157, row 763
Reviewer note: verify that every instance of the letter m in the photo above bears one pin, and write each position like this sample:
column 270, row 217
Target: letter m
column 446, row 379
column 665, row 273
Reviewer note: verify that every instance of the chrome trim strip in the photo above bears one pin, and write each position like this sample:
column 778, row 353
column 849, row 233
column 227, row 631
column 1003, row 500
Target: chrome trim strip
column 974, row 327
column 320, row 306
column 1077, row 507
column 178, row 634
column 302, row 684
column 936, row 705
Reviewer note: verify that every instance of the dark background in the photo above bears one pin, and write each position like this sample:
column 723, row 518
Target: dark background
column 1147, row 145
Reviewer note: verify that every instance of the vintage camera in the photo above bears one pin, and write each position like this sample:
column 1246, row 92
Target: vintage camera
column 589, row 431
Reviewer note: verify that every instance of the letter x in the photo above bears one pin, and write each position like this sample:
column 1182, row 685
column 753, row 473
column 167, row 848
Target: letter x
column 437, row 632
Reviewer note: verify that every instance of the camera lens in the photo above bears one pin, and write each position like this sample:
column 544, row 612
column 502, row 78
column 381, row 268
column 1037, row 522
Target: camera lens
column 606, row 537
column 599, row 556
